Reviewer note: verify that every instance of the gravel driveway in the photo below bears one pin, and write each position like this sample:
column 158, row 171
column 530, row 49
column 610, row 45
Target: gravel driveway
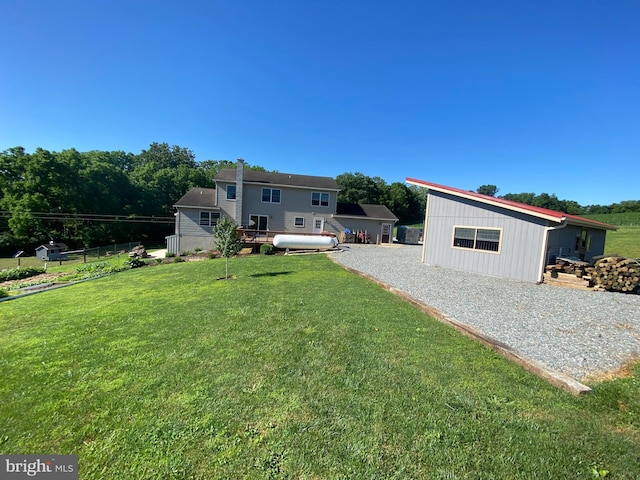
column 578, row 333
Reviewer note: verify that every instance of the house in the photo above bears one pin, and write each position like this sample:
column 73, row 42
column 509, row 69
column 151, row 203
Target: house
column 266, row 203
column 51, row 251
column 478, row 233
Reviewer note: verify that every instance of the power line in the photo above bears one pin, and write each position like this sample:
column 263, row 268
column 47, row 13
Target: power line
column 91, row 217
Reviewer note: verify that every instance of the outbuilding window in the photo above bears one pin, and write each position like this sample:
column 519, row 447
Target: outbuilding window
column 476, row 238
column 298, row 221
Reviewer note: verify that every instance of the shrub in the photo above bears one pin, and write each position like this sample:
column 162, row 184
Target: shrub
column 136, row 263
column 266, row 249
column 185, row 253
column 197, row 249
column 3, row 293
column 178, row 260
column 211, row 255
column 19, row 273
column 170, row 255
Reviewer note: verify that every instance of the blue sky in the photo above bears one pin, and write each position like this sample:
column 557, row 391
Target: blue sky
column 532, row 96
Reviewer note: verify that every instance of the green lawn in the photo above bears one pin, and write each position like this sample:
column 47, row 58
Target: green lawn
column 625, row 241
column 295, row 369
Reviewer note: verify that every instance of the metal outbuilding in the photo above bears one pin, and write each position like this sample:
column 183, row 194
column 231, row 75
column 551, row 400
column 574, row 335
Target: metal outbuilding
column 482, row 234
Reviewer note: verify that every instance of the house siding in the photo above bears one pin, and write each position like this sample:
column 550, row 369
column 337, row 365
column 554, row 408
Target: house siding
column 565, row 238
column 294, row 202
column 192, row 235
column 520, row 244
column 228, row 207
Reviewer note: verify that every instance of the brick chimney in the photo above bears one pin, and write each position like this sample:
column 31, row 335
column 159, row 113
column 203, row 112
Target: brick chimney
column 239, row 184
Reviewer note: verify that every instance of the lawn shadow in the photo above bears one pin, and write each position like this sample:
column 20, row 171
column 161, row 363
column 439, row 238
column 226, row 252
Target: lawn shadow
column 270, row 274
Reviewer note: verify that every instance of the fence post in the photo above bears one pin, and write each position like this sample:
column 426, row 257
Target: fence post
column 84, row 254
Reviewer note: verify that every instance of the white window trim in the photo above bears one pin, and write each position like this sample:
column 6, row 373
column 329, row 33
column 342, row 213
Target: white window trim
column 296, row 225
column 479, row 250
column 210, row 221
column 270, row 195
column 319, row 205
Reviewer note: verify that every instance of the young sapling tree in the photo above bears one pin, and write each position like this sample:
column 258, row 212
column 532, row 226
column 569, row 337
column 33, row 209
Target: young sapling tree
column 226, row 240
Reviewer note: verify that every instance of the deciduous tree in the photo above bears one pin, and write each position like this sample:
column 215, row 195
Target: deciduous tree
column 226, row 240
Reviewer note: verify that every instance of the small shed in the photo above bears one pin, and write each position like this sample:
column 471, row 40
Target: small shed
column 51, row 251
column 409, row 235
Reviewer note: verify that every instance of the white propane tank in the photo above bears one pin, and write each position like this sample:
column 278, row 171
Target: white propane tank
column 302, row 242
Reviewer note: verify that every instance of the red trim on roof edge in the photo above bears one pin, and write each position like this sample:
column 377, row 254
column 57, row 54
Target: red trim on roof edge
column 511, row 205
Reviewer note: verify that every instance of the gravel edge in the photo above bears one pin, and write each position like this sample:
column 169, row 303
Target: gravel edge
column 581, row 334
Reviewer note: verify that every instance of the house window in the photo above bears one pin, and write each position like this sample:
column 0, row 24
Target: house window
column 271, row 195
column 298, row 222
column 209, row 219
column 474, row 238
column 319, row 199
column 231, row 192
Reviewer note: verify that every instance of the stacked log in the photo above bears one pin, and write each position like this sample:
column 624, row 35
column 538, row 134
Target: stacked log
column 616, row 273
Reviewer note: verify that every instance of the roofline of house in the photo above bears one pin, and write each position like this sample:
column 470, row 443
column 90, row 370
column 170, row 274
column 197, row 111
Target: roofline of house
column 281, row 185
column 544, row 213
column 363, row 217
column 176, row 205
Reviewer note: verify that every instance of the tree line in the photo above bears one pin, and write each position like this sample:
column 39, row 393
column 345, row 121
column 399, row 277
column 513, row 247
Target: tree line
column 101, row 197
column 97, row 197
column 552, row 202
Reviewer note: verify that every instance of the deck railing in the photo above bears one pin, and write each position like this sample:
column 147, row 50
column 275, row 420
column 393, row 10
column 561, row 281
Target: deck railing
column 253, row 236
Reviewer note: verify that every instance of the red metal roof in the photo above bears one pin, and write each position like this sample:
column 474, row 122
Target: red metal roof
column 540, row 212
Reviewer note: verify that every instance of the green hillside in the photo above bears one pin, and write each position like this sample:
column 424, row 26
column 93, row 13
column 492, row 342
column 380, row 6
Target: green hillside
column 626, row 240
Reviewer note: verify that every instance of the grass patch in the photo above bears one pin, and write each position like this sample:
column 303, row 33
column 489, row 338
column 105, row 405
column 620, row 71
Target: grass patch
column 294, row 369
column 625, row 218
column 60, row 266
column 625, row 241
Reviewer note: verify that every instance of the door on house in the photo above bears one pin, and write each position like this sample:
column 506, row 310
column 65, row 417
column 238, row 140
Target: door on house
column 259, row 222
column 386, row 233
column 318, row 224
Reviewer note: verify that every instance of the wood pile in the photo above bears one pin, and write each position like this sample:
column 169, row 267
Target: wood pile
column 613, row 273
column 618, row 274
column 569, row 265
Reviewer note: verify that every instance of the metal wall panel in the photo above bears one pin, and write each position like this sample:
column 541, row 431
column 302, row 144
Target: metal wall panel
column 520, row 245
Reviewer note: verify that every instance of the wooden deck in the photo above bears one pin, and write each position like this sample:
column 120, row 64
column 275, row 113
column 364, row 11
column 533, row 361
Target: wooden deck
column 256, row 237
